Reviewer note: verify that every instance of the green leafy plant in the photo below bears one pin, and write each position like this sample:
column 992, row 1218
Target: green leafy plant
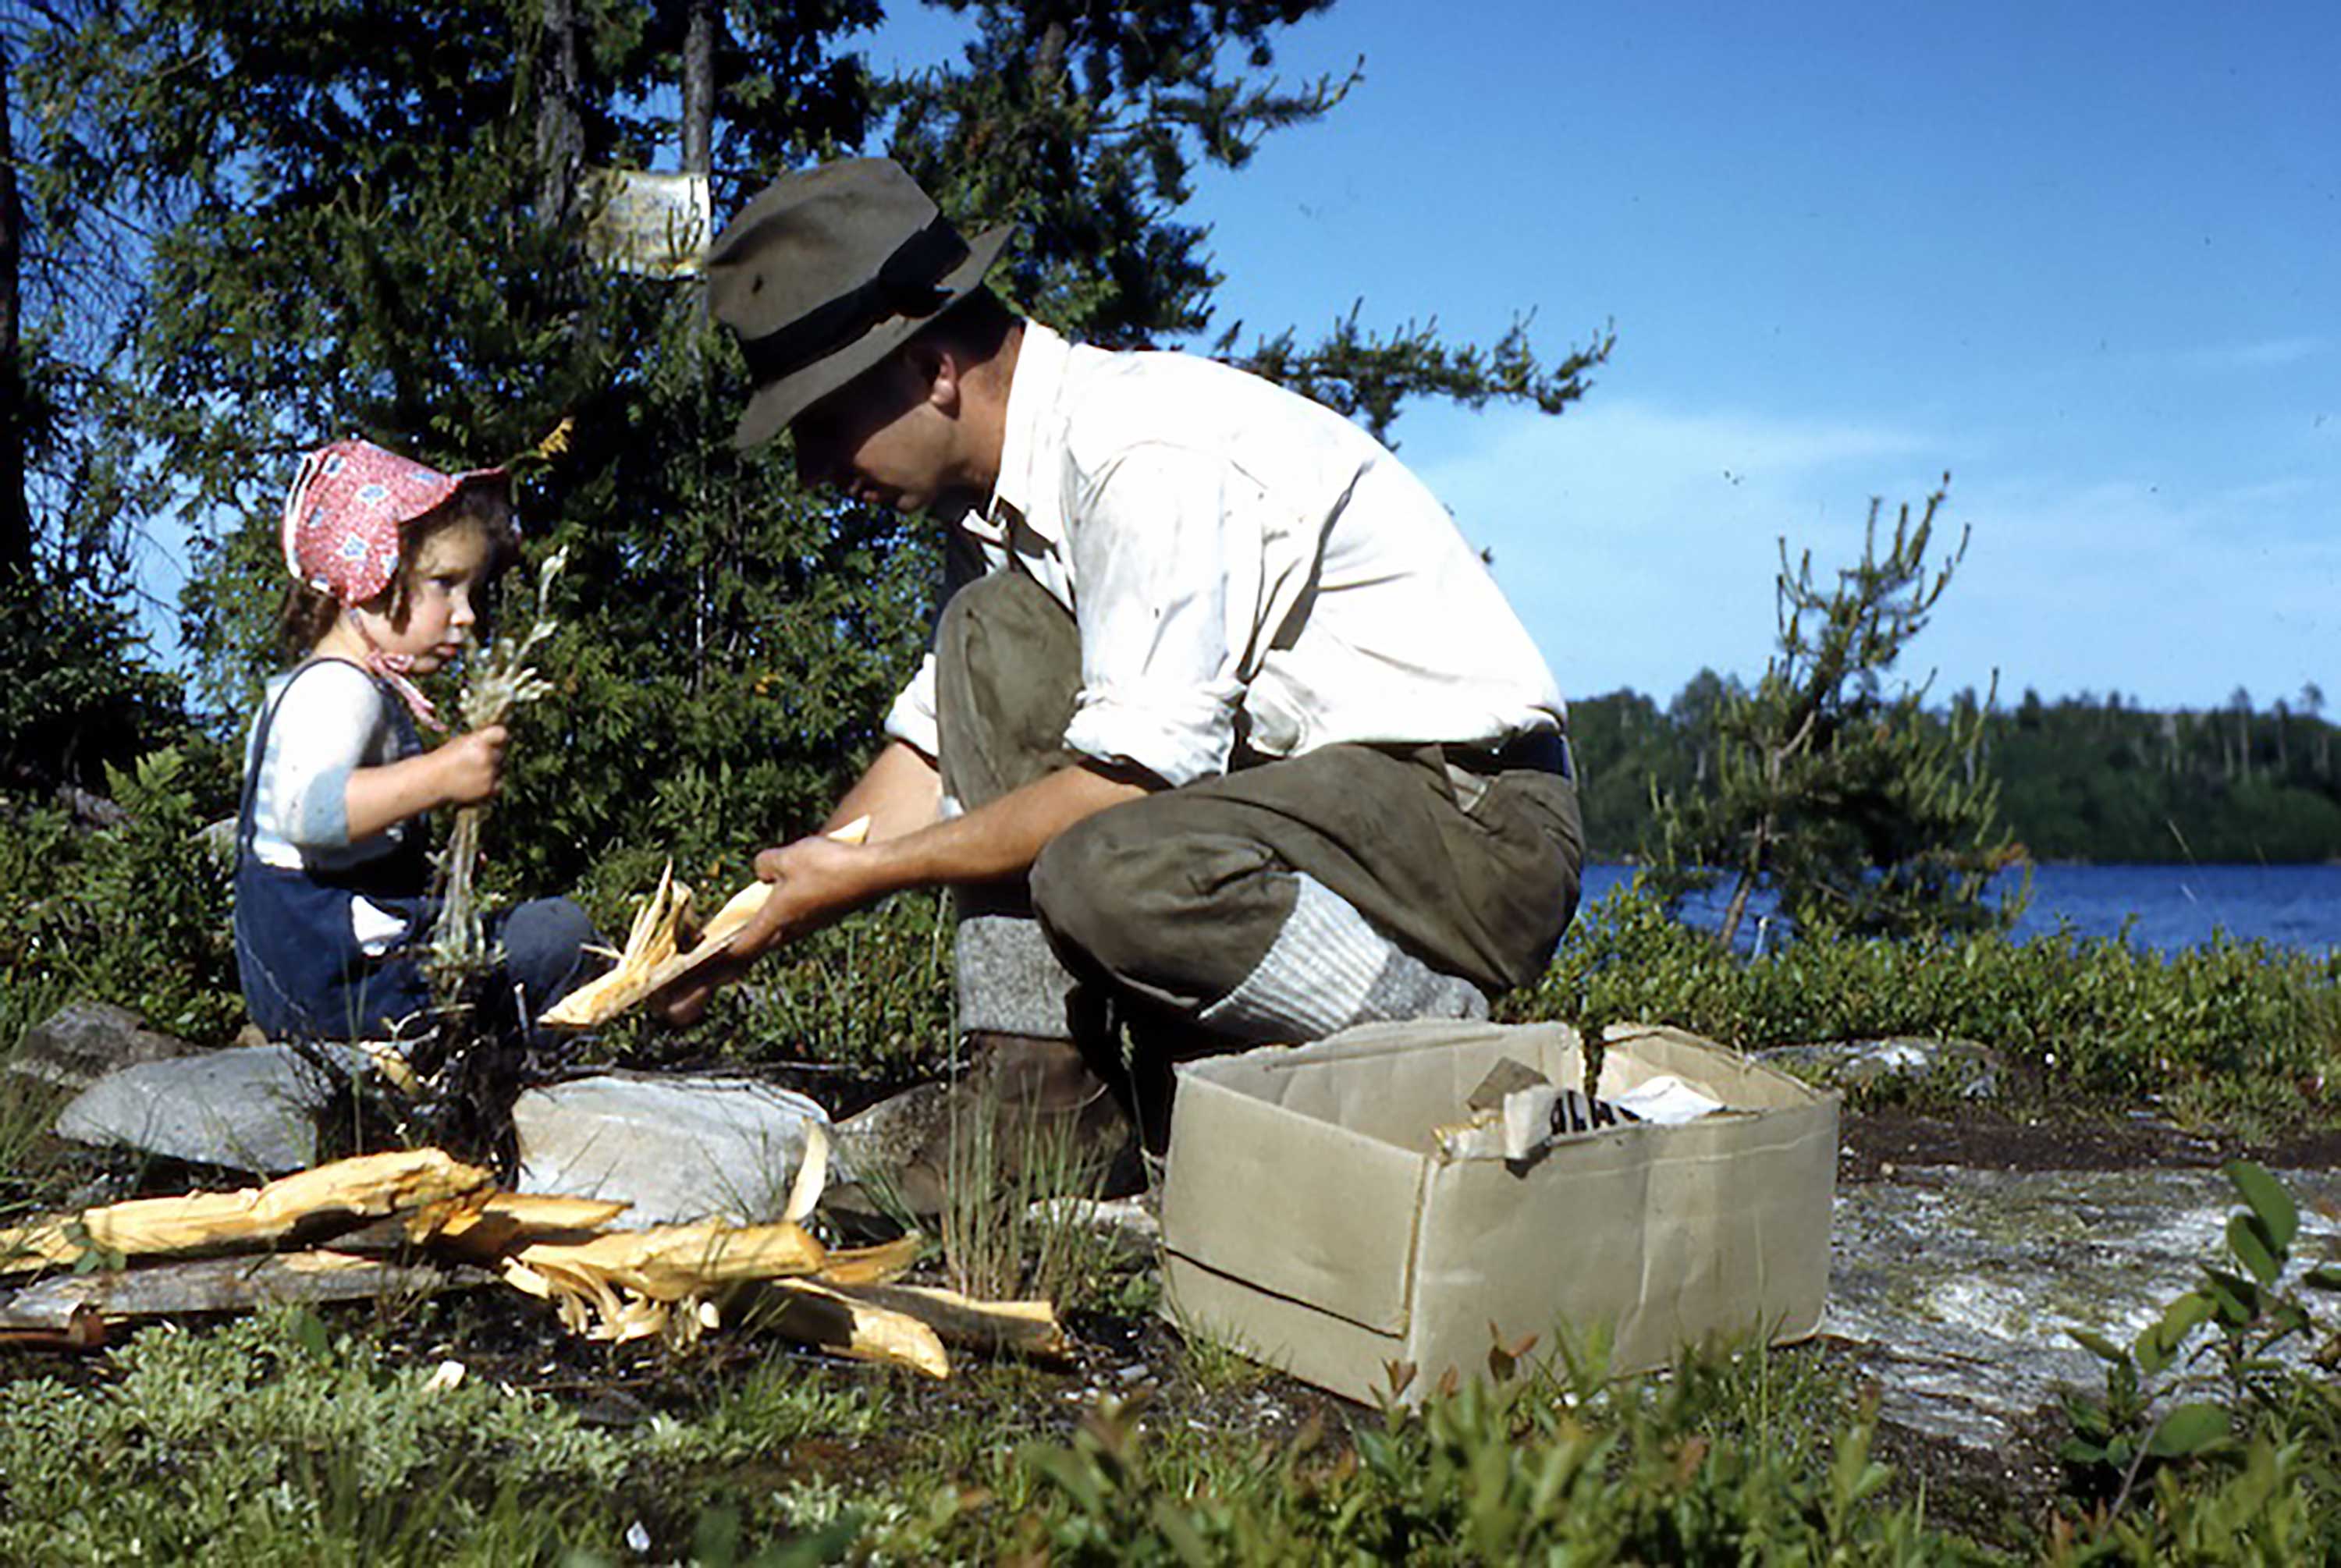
column 1510, row 1467
column 2206, row 1385
column 134, row 912
column 2237, row 1031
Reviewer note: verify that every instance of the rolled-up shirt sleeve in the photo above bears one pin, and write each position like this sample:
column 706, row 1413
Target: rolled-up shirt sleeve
column 1168, row 559
column 912, row 718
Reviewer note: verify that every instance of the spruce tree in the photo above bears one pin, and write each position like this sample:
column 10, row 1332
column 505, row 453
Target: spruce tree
column 362, row 224
column 79, row 691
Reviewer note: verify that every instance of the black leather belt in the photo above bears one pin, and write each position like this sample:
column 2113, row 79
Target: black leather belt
column 1536, row 751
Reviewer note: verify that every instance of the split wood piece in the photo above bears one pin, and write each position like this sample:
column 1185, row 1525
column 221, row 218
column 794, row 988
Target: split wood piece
column 604, row 1312
column 808, row 1310
column 481, row 1228
column 668, row 1263
column 509, row 1221
column 881, row 1264
column 596, row 1306
column 305, row 1206
column 84, row 1329
column 1022, row 1327
column 652, row 961
column 221, row 1284
column 628, row 1285
column 741, row 906
column 651, row 943
column 812, row 1176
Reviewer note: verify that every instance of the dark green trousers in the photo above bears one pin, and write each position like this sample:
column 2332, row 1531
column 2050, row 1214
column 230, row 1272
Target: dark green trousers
column 1172, row 901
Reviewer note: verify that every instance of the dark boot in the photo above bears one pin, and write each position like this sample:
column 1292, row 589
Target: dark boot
column 1029, row 1116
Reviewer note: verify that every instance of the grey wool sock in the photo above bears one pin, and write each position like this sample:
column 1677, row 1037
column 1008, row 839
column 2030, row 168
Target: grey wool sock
column 1008, row 977
column 1330, row 969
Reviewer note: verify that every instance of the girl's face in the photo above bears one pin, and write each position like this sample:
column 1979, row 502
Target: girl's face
column 446, row 576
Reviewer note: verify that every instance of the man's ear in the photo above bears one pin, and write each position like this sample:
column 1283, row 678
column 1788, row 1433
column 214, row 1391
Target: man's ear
column 938, row 370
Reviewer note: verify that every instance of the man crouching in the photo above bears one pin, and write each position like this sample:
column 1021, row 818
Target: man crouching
column 1227, row 736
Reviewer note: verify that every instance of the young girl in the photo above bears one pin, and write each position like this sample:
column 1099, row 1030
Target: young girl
column 389, row 560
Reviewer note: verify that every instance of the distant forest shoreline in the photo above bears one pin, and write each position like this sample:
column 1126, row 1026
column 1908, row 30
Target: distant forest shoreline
column 2083, row 779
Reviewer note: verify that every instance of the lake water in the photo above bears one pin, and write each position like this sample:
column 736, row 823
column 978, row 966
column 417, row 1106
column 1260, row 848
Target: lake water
column 2172, row 906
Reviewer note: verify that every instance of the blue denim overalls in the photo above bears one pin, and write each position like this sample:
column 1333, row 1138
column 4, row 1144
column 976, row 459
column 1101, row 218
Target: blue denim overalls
column 303, row 974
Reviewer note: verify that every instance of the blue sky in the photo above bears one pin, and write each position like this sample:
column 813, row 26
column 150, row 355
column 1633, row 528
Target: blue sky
column 2086, row 258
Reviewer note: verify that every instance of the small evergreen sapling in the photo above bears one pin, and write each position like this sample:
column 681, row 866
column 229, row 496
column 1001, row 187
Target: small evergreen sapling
column 1851, row 804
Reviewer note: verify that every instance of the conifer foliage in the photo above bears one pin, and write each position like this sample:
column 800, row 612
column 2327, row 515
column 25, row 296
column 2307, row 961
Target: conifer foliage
column 1842, row 798
column 363, row 216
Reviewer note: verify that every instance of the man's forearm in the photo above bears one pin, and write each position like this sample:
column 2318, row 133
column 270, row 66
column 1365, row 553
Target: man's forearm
column 900, row 792
column 817, row 879
column 1002, row 838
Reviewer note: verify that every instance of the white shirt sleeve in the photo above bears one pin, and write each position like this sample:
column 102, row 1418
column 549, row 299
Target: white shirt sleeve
column 327, row 726
column 912, row 718
column 1169, row 560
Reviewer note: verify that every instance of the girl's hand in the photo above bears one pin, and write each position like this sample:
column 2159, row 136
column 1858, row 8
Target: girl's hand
column 472, row 766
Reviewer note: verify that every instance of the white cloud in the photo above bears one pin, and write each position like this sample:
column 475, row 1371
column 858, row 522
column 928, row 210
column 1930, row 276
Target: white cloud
column 2267, row 353
column 1639, row 544
column 2178, row 599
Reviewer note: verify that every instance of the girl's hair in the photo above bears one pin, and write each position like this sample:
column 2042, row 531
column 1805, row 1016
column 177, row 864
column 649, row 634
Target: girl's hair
column 307, row 614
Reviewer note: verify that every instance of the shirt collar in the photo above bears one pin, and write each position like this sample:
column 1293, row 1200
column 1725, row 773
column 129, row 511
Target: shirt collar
column 1033, row 396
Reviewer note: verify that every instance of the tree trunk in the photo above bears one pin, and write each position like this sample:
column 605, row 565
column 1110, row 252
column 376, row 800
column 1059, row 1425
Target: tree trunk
column 698, row 89
column 560, row 136
column 15, row 508
column 699, row 114
column 1738, row 909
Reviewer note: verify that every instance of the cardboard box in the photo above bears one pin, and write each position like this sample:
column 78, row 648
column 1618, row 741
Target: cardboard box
column 1310, row 1219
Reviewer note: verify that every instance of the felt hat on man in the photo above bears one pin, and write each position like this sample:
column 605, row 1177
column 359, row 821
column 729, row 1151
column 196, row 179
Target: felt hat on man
column 826, row 272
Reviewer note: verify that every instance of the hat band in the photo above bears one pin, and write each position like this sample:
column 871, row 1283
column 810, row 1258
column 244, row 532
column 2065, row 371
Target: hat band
column 906, row 285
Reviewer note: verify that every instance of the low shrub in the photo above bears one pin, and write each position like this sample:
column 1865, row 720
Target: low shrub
column 135, row 913
column 1687, row 1468
column 2225, row 1027
column 272, row 1440
column 2217, row 1438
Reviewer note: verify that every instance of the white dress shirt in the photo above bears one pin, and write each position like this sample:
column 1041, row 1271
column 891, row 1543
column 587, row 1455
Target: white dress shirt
column 1244, row 565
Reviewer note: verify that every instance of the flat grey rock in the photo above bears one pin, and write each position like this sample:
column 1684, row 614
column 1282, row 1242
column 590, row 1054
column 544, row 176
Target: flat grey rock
column 248, row 1107
column 1959, row 1289
column 879, row 1139
column 1124, row 1225
column 675, row 1148
column 1968, row 1069
column 82, row 1042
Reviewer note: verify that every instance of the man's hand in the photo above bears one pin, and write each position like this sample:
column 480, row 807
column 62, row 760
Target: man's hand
column 817, row 881
column 812, row 882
